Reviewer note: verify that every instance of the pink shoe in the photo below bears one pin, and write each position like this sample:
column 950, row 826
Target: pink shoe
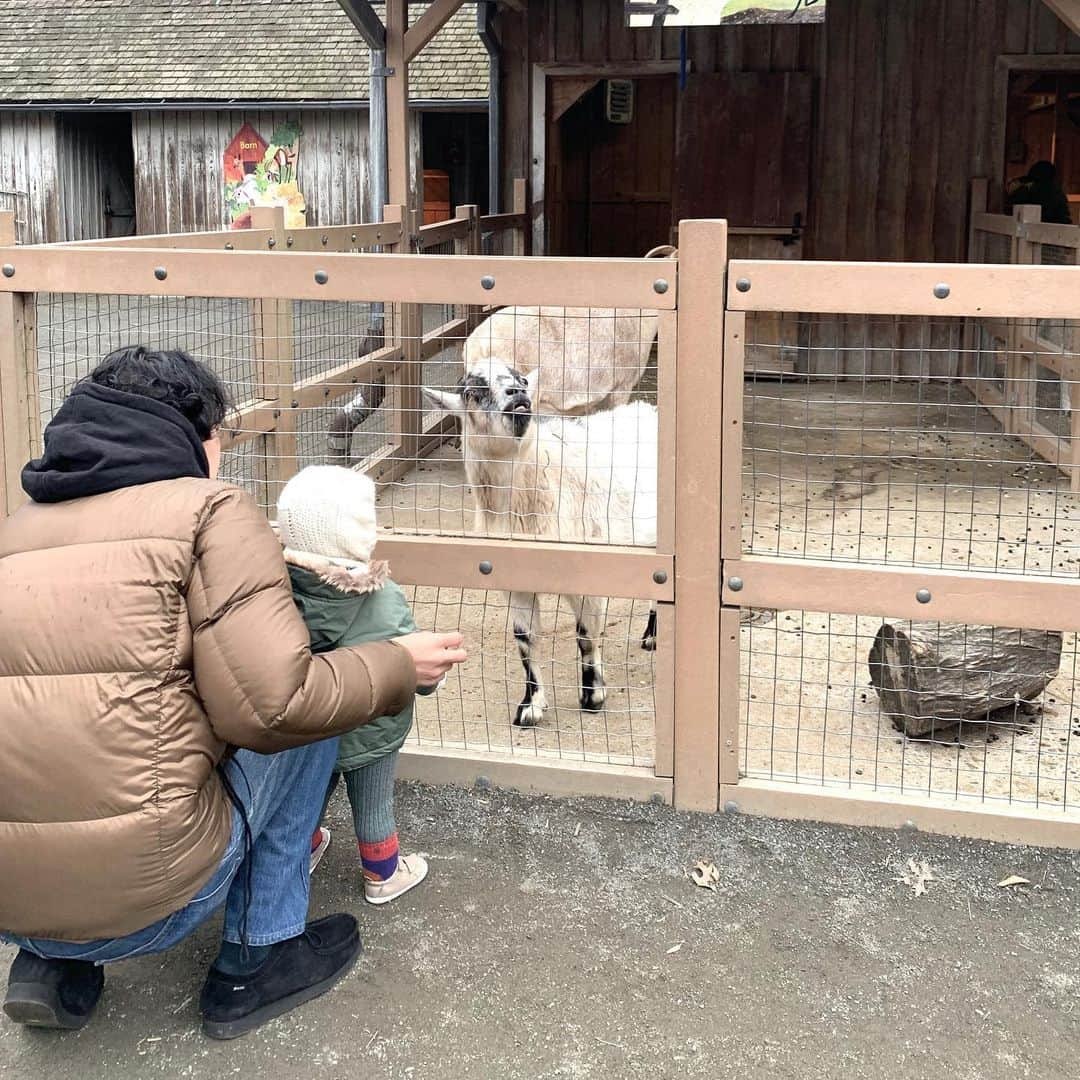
column 320, row 841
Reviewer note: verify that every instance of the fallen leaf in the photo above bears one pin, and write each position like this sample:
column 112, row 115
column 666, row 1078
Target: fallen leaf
column 705, row 875
column 1012, row 879
column 917, row 874
column 675, row 948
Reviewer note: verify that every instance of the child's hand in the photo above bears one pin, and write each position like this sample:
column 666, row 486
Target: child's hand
column 433, row 655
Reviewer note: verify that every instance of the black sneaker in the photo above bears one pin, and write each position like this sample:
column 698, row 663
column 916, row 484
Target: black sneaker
column 52, row 993
column 296, row 971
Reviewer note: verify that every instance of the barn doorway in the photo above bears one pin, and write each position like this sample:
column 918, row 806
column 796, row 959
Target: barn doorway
column 1043, row 124
column 97, row 174
column 610, row 164
column 456, row 149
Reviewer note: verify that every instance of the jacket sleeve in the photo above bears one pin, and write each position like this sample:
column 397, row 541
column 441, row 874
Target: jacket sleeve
column 259, row 683
column 406, row 624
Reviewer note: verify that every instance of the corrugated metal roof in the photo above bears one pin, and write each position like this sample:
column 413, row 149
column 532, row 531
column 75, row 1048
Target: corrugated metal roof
column 214, row 50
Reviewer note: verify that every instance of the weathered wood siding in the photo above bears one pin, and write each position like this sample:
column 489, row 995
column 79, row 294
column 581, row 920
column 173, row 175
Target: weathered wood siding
column 178, row 165
column 28, row 167
column 906, row 119
column 903, row 105
column 81, row 167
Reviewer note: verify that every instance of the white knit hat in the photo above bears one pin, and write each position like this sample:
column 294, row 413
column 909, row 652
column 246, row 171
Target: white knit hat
column 326, row 515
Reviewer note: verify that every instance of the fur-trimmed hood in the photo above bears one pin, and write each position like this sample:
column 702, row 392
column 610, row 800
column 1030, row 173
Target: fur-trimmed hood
column 346, row 576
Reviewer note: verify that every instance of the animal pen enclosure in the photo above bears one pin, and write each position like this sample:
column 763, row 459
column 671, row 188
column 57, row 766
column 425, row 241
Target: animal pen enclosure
column 795, row 516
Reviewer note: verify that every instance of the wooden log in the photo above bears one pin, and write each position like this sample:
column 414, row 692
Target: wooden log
column 931, row 676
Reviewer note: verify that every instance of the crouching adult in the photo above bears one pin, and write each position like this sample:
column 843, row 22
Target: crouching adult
column 167, row 736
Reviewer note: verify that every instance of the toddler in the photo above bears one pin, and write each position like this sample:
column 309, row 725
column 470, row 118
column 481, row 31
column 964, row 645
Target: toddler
column 326, row 517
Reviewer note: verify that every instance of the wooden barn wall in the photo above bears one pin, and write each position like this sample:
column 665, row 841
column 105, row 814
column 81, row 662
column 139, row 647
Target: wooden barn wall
column 902, row 121
column 907, row 121
column 28, row 167
column 178, row 165
column 80, row 180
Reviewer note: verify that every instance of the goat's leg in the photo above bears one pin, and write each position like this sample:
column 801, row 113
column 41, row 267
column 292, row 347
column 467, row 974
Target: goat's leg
column 591, row 613
column 648, row 639
column 525, row 614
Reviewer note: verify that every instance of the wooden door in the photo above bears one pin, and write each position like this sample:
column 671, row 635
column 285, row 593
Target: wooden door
column 743, row 148
column 610, row 185
column 743, row 153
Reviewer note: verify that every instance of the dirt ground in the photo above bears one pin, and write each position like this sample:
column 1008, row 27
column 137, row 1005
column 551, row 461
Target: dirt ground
column 560, row 939
column 898, row 473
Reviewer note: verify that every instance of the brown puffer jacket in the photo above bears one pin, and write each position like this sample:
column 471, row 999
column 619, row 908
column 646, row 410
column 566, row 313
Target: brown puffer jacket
column 141, row 631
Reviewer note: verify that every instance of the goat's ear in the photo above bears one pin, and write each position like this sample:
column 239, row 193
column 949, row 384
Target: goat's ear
column 532, row 381
column 444, row 399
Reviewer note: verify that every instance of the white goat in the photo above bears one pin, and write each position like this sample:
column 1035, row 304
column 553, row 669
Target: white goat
column 586, row 479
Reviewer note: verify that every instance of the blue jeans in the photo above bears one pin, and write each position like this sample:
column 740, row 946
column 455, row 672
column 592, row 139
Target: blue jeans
column 282, row 795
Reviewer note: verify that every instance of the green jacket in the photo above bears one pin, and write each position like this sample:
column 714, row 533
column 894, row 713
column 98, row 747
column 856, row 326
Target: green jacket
column 335, row 618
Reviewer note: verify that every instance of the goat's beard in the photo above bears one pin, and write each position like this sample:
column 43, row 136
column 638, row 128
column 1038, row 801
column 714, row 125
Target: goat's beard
column 518, row 420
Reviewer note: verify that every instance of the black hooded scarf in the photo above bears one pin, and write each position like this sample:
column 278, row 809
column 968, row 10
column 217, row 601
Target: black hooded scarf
column 103, row 439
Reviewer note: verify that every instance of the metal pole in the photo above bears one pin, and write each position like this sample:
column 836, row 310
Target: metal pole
column 377, row 133
column 377, row 158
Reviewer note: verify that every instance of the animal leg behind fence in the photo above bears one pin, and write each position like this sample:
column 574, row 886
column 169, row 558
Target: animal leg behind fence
column 590, row 611
column 525, row 614
column 348, row 418
column 648, row 639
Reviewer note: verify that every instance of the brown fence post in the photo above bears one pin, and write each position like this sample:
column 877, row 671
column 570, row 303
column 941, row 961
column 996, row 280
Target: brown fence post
column 404, row 330
column 699, row 406
column 667, row 357
column 275, row 376
column 731, row 521
column 20, row 418
column 411, row 333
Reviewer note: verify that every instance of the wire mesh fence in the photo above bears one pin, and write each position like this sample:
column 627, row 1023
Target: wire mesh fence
column 476, row 708
column 881, row 449
column 310, row 388
column 930, row 709
column 74, row 332
column 542, row 452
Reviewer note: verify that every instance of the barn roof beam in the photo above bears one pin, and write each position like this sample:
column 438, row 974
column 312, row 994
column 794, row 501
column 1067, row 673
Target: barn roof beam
column 1068, row 11
column 364, row 17
column 428, row 25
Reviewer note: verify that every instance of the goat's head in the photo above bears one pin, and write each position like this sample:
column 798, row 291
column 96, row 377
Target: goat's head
column 491, row 398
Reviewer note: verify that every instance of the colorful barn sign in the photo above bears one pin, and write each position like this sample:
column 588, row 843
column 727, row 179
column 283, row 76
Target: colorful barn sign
column 261, row 173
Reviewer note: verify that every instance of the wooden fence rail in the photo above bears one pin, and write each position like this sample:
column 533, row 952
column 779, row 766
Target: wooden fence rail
column 697, row 575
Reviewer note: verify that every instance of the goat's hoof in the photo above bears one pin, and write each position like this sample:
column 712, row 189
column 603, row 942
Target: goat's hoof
column 528, row 715
column 593, row 700
column 649, row 643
